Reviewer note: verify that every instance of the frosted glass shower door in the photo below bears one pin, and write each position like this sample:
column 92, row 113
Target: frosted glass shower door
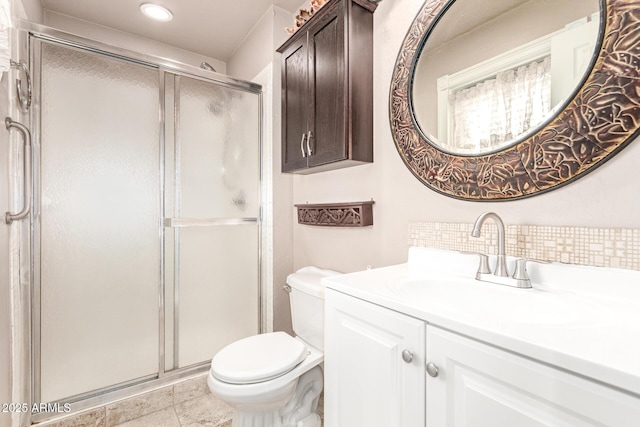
column 214, row 141
column 99, row 222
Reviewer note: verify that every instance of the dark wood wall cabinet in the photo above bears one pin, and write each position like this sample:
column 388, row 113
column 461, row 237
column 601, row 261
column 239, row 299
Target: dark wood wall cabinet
column 327, row 89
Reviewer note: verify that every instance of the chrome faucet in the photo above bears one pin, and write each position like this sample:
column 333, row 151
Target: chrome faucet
column 500, row 274
column 501, row 260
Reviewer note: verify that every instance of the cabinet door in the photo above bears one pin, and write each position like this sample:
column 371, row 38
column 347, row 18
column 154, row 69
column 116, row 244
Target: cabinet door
column 367, row 382
column 295, row 105
column 479, row 385
column 327, row 88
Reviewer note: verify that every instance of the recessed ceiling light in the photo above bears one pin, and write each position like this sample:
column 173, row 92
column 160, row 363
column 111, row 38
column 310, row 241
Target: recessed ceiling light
column 156, row 12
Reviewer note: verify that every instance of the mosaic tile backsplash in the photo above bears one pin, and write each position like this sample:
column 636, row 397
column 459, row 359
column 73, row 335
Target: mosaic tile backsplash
column 602, row 247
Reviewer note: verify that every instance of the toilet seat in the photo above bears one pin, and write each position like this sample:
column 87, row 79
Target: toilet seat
column 258, row 358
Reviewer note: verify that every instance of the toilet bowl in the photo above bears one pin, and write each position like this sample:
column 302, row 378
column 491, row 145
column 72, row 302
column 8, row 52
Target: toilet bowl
column 274, row 379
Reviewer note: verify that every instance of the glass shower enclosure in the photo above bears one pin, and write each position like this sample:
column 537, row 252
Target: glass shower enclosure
column 145, row 229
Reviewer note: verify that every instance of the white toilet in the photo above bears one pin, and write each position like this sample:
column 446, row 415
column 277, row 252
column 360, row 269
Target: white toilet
column 274, row 379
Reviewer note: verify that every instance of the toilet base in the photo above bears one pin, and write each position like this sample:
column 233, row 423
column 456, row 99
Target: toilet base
column 300, row 410
column 272, row 420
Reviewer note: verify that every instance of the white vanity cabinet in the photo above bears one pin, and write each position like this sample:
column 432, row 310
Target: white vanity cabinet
column 374, row 365
column 448, row 379
column 479, row 385
column 564, row 353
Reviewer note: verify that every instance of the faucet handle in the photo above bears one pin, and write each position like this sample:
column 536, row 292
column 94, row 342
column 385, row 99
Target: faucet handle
column 520, row 274
column 483, row 267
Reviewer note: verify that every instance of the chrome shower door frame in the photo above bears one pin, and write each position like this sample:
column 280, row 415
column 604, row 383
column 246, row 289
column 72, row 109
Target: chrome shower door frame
column 36, row 35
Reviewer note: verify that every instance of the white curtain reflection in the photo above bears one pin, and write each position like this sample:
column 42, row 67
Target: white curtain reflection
column 501, row 108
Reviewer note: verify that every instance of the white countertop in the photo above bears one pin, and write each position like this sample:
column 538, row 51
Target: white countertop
column 585, row 320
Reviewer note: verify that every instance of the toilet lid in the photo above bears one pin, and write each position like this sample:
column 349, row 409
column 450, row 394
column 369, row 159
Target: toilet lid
column 258, row 358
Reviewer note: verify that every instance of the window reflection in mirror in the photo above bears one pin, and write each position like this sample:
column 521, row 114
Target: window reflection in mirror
column 491, row 73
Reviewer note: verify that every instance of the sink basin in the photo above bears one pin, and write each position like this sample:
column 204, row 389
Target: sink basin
column 523, row 306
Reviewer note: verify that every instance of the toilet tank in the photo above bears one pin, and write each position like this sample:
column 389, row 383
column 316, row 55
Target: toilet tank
column 307, row 304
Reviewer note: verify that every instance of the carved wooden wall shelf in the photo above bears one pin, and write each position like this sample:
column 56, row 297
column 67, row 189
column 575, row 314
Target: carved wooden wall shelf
column 356, row 214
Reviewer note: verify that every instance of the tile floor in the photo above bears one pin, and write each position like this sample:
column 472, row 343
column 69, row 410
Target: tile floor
column 186, row 404
column 205, row 410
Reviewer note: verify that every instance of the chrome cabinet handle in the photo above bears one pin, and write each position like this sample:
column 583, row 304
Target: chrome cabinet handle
column 9, row 217
column 407, row 356
column 309, row 136
column 304, row 135
column 432, row 369
column 25, row 103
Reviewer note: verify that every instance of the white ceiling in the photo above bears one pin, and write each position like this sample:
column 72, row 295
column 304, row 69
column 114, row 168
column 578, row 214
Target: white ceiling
column 214, row 28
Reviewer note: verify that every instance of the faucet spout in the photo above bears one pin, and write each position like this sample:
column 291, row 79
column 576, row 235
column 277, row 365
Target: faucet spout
column 501, row 260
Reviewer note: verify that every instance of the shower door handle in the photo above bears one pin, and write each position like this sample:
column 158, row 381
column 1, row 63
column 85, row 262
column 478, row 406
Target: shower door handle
column 9, row 217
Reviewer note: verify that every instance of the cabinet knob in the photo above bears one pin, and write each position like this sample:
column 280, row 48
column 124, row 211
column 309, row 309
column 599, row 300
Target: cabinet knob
column 407, row 356
column 432, row 369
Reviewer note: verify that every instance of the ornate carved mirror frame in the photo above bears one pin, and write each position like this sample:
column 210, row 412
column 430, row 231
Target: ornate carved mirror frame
column 600, row 119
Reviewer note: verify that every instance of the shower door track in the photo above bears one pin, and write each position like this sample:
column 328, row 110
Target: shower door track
column 36, row 35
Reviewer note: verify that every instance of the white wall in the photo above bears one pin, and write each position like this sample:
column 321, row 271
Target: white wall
column 607, row 197
column 28, row 9
column 256, row 53
column 256, row 50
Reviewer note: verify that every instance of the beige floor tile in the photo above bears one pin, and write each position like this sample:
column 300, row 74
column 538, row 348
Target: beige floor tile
column 164, row 418
column 93, row 418
column 190, row 389
column 206, row 410
column 139, row 406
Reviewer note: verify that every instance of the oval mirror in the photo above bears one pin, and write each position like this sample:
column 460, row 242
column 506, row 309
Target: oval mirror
column 450, row 78
column 492, row 72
